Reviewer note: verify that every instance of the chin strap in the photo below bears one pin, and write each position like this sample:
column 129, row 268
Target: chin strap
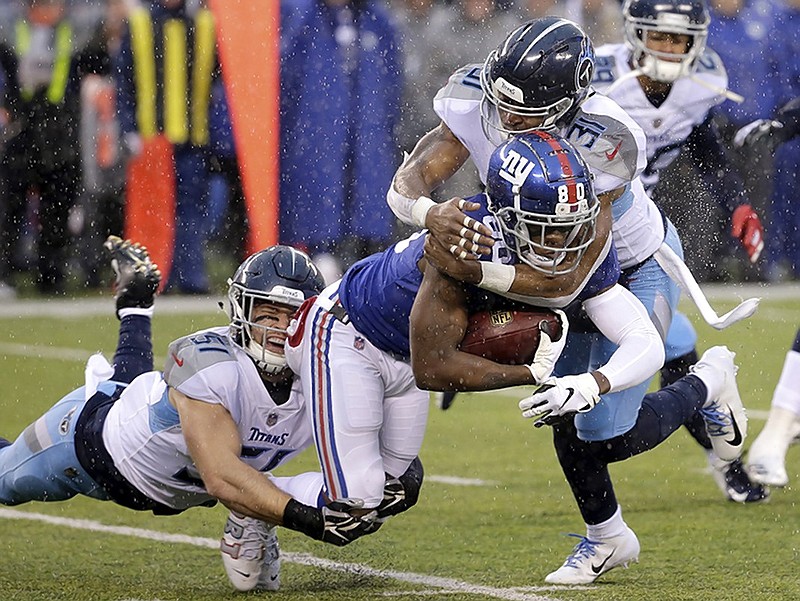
column 676, row 269
column 737, row 98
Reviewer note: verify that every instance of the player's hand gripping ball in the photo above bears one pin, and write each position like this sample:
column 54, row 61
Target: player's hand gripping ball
column 510, row 337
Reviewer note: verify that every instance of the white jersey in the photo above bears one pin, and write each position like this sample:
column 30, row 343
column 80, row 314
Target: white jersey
column 667, row 126
column 143, row 435
column 608, row 139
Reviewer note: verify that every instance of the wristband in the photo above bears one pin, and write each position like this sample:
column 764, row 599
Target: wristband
column 419, row 210
column 303, row 518
column 147, row 312
column 496, row 277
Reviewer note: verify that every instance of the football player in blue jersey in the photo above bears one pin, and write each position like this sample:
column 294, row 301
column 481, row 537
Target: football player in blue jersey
column 539, row 79
column 366, row 348
column 766, row 461
column 666, row 78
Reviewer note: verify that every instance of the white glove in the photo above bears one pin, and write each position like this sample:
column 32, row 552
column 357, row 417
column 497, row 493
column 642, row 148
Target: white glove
column 559, row 396
column 548, row 352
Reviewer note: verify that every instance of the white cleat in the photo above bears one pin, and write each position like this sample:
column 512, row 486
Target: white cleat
column 591, row 559
column 724, row 414
column 766, row 461
column 250, row 554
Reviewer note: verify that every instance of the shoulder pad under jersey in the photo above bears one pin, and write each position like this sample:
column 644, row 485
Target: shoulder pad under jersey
column 709, row 63
column 463, row 84
column 609, row 140
column 191, row 354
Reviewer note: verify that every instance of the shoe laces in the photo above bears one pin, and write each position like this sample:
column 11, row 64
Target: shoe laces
column 716, row 420
column 583, row 550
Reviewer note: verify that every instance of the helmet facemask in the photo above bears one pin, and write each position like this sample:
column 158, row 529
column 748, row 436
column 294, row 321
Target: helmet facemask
column 530, row 235
column 250, row 335
column 495, row 95
column 661, row 66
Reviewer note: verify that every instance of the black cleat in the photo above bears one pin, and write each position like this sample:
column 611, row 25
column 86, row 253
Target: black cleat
column 137, row 278
column 736, row 485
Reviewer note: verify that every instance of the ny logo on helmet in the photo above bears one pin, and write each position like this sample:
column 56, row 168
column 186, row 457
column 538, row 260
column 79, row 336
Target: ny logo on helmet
column 515, row 169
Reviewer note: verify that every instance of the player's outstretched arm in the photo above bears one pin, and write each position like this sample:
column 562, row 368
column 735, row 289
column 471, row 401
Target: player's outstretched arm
column 214, row 444
column 439, row 319
column 434, row 160
column 213, row 441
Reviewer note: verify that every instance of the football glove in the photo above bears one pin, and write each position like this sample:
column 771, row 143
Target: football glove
column 333, row 523
column 548, row 352
column 401, row 494
column 342, row 528
column 747, row 228
column 561, row 396
column 765, row 131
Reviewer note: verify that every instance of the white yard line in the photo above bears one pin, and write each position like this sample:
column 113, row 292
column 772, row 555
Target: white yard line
column 441, row 585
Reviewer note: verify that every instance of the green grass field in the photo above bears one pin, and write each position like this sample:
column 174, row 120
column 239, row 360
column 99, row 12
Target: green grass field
column 489, row 524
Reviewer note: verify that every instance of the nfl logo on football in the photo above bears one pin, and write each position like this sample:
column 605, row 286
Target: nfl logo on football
column 501, row 318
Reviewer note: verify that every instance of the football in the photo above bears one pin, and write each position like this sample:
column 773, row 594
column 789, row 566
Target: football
column 509, row 336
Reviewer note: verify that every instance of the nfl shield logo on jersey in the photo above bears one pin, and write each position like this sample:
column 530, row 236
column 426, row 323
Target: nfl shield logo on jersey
column 272, row 419
column 358, row 343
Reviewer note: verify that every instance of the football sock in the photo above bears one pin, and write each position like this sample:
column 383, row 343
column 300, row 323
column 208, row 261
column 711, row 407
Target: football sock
column 612, row 527
column 675, row 369
column 134, row 354
column 787, row 392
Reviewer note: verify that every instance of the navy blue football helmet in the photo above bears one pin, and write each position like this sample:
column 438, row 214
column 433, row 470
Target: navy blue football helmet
column 542, row 69
column 540, row 191
column 686, row 17
column 279, row 274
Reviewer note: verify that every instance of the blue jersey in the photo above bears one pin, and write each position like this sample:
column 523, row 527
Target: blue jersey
column 379, row 291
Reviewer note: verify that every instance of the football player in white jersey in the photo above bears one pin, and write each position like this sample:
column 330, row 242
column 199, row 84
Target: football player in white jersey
column 539, row 78
column 766, row 461
column 225, row 410
column 666, row 78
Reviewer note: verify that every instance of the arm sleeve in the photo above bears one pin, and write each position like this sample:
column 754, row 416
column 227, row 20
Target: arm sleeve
column 621, row 318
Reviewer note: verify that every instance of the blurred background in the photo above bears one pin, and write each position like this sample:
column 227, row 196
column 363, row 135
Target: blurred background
column 117, row 116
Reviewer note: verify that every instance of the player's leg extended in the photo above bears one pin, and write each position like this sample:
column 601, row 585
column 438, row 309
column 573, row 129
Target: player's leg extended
column 41, row 464
column 609, row 542
column 135, row 286
column 767, row 458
